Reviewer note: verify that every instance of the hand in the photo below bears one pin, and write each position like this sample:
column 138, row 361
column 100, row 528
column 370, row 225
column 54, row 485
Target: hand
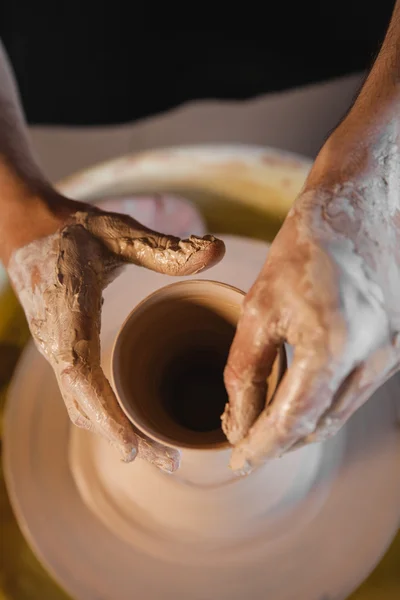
column 59, row 279
column 330, row 288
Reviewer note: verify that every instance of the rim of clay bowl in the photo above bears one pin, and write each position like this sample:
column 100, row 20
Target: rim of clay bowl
column 89, row 182
column 118, row 388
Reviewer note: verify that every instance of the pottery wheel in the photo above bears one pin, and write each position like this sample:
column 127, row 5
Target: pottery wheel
column 309, row 526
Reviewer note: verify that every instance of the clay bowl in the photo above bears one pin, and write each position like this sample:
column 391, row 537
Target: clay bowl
column 167, row 371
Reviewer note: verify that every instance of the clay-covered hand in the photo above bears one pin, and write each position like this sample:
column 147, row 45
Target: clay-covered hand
column 60, row 278
column 330, row 288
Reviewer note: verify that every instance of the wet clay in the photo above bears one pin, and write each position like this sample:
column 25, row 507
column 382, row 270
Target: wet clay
column 169, row 362
column 60, row 279
column 330, row 289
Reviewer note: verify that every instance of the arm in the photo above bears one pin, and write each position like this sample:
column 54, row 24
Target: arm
column 330, row 286
column 60, row 255
column 24, row 213
column 372, row 126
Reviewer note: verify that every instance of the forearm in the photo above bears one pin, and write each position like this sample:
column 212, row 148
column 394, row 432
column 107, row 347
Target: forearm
column 17, row 164
column 379, row 98
column 27, row 208
column 377, row 107
column 369, row 135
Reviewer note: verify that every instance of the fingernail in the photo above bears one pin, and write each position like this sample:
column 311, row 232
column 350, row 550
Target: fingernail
column 130, row 456
column 168, row 470
column 169, row 462
column 175, row 458
column 245, row 470
column 173, row 454
column 239, row 464
column 168, row 467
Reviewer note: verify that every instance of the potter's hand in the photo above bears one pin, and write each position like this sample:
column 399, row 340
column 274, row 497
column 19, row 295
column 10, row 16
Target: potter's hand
column 331, row 289
column 60, row 256
column 59, row 279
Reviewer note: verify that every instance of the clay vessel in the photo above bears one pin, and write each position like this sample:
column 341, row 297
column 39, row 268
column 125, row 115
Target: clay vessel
column 167, row 370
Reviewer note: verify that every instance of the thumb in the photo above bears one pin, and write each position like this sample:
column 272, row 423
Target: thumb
column 133, row 242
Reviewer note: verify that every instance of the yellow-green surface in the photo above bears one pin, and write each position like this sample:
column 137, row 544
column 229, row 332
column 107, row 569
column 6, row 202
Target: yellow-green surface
column 21, row 575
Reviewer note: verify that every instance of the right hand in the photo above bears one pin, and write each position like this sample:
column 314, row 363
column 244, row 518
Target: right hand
column 330, row 288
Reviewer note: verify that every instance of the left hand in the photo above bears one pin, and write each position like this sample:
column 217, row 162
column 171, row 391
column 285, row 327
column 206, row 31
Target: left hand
column 59, row 275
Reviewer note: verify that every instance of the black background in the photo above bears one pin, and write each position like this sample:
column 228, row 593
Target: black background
column 96, row 64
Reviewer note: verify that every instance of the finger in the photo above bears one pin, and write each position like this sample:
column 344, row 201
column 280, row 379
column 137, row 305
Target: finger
column 88, row 390
column 76, row 414
column 359, row 386
column 76, row 310
column 132, row 242
column 249, row 364
column 92, row 393
column 305, row 393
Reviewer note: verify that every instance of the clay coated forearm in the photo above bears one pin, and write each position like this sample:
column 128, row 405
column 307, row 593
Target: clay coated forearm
column 26, row 197
column 16, row 156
